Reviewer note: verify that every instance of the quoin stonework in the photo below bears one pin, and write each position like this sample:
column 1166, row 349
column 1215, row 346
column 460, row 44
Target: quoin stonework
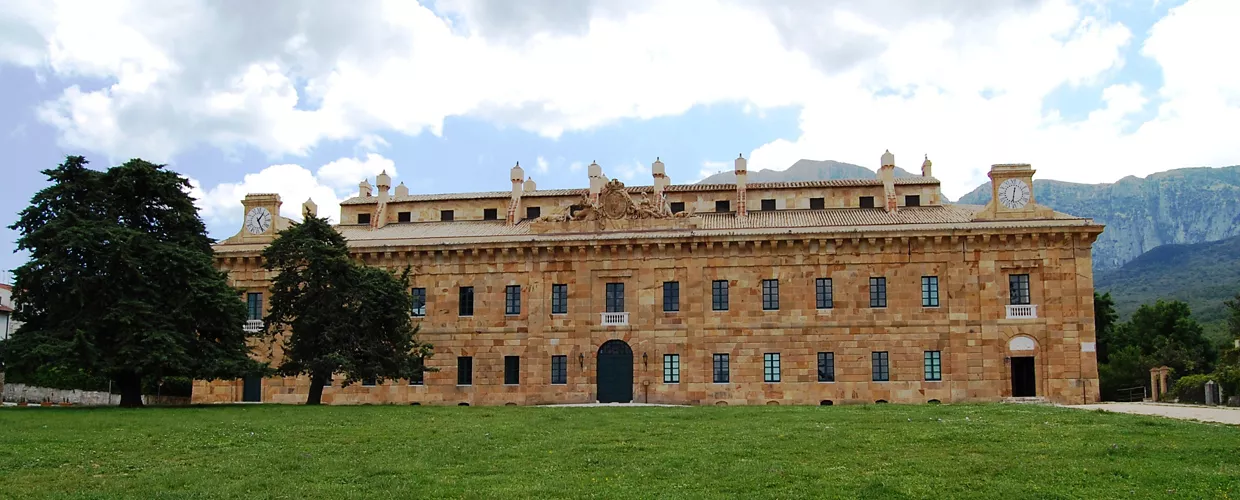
column 818, row 292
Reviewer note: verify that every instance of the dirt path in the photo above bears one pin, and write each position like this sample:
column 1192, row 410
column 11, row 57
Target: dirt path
column 1223, row 415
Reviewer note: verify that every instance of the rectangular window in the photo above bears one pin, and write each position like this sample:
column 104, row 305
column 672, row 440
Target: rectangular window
column 512, row 370
column 719, row 295
column 770, row 367
column 464, row 370
column 912, row 200
column 826, row 367
column 878, row 292
column 867, row 202
column 615, row 297
column 466, row 305
column 723, row 206
column 254, row 305
column 929, row 291
column 824, row 295
column 934, row 366
column 678, row 207
column 878, row 366
column 532, row 212
column 559, row 369
column 404, row 216
column 817, row 203
column 768, row 204
column 363, row 218
column 721, row 373
column 447, row 215
column 418, row 378
column 671, row 368
column 770, row 295
column 671, row 296
column 368, row 382
column 1018, row 286
column 490, row 214
column 512, row 299
column 559, row 299
column 419, row 302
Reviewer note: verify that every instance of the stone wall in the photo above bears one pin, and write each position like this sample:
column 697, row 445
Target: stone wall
column 16, row 393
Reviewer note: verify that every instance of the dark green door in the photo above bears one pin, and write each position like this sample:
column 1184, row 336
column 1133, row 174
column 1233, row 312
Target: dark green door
column 252, row 390
column 615, row 372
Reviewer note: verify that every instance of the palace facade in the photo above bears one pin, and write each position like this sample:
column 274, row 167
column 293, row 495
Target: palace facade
column 818, row 292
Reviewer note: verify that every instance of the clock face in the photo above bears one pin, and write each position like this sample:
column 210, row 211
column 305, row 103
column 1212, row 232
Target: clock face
column 1014, row 193
column 258, row 220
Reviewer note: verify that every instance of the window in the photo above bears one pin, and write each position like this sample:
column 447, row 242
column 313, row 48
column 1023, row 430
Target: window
column 912, row 200
column 671, row 296
column 721, row 372
column 719, row 295
column 404, row 216
column 826, row 367
column 368, row 382
column 419, row 301
column 559, row 299
column 879, row 367
column 817, row 203
column 824, row 295
column 464, row 370
column 671, row 368
column 1018, row 286
column 768, row 204
column 929, row 291
column 512, row 299
column 878, row 292
column 418, row 377
column 512, row 370
column 254, row 305
column 615, row 297
column 770, row 367
column 770, row 295
column 466, row 305
column 723, row 206
column 447, row 215
column 363, row 218
column 678, row 207
column 559, row 369
column 532, row 212
column 490, row 214
column 867, row 202
column 934, row 366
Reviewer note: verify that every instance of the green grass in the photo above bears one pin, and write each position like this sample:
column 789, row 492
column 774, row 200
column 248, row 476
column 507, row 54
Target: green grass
column 874, row 451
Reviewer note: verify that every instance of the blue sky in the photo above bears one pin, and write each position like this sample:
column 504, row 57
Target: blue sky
column 307, row 98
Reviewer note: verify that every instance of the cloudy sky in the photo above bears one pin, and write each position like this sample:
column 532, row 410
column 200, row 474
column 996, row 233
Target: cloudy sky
column 307, row 98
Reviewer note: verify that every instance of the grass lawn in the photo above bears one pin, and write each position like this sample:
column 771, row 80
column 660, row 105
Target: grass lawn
column 874, row 451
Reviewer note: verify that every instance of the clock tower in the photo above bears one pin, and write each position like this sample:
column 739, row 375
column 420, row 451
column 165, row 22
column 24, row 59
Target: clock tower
column 261, row 219
column 1011, row 190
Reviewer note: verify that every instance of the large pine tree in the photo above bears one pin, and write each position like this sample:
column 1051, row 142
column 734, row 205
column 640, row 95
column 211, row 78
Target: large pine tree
column 120, row 282
column 340, row 316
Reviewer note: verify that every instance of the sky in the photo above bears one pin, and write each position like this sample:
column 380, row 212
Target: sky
column 307, row 98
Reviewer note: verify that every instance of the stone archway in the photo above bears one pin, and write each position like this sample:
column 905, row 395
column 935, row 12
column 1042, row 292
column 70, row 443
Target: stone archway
column 1022, row 355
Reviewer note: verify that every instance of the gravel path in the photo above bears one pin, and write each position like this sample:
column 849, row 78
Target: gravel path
column 1222, row 415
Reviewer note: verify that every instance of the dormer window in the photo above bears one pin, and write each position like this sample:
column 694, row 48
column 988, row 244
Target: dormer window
column 447, row 215
column 490, row 214
column 912, row 200
column 404, row 217
column 768, row 205
column 817, row 203
column 363, row 218
column 533, row 212
column 867, row 202
column 678, row 207
column 723, row 206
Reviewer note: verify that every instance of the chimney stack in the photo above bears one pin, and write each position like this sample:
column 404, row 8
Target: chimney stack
column 310, row 208
column 514, row 205
column 383, row 182
column 596, row 181
column 887, row 174
column 925, row 168
column 660, row 181
column 402, row 190
column 742, row 173
column 363, row 189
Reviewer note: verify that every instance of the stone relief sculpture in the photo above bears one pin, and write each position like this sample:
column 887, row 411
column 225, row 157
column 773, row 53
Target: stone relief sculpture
column 614, row 203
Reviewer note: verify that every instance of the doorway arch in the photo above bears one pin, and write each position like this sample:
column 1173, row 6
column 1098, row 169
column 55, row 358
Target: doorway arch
column 615, row 372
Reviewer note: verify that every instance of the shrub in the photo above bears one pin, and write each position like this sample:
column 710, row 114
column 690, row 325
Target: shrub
column 1190, row 389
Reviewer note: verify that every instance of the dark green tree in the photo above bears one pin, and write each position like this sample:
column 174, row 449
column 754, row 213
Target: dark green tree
column 120, row 282
column 1167, row 334
column 340, row 316
column 1233, row 316
column 1104, row 323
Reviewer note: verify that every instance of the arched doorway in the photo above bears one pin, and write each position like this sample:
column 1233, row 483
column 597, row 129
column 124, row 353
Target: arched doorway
column 615, row 372
column 1021, row 350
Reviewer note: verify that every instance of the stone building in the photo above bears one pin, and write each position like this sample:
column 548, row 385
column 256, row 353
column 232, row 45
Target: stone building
column 818, row 292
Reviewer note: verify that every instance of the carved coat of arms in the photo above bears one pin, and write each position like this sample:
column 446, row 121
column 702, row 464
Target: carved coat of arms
column 614, row 202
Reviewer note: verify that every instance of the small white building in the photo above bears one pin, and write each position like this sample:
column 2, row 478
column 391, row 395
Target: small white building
column 7, row 324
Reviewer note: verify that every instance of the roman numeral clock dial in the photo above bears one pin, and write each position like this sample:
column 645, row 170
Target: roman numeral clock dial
column 258, row 220
column 1014, row 193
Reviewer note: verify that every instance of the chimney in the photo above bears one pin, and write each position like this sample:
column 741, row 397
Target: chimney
column 514, row 205
column 596, row 181
column 660, row 181
column 383, row 182
column 742, row 172
column 925, row 168
column 309, row 208
column 402, row 190
column 887, row 174
column 529, row 186
column 363, row 189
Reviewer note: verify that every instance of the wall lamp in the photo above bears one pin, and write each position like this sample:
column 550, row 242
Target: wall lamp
column 581, row 358
column 644, row 366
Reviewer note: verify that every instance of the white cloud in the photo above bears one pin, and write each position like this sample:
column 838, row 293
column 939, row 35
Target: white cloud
column 710, row 168
column 541, row 166
column 346, row 173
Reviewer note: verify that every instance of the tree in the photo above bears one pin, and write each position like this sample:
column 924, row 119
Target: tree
column 1104, row 321
column 1168, row 335
column 341, row 317
column 120, row 282
column 1233, row 316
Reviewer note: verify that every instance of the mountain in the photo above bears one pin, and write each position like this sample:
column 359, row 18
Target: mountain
column 1201, row 274
column 804, row 170
column 1188, row 205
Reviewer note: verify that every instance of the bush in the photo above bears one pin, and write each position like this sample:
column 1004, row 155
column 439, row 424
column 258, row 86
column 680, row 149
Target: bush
column 1228, row 377
column 1190, row 389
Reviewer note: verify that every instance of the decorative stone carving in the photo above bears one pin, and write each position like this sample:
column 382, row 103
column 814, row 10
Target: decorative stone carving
column 614, row 203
